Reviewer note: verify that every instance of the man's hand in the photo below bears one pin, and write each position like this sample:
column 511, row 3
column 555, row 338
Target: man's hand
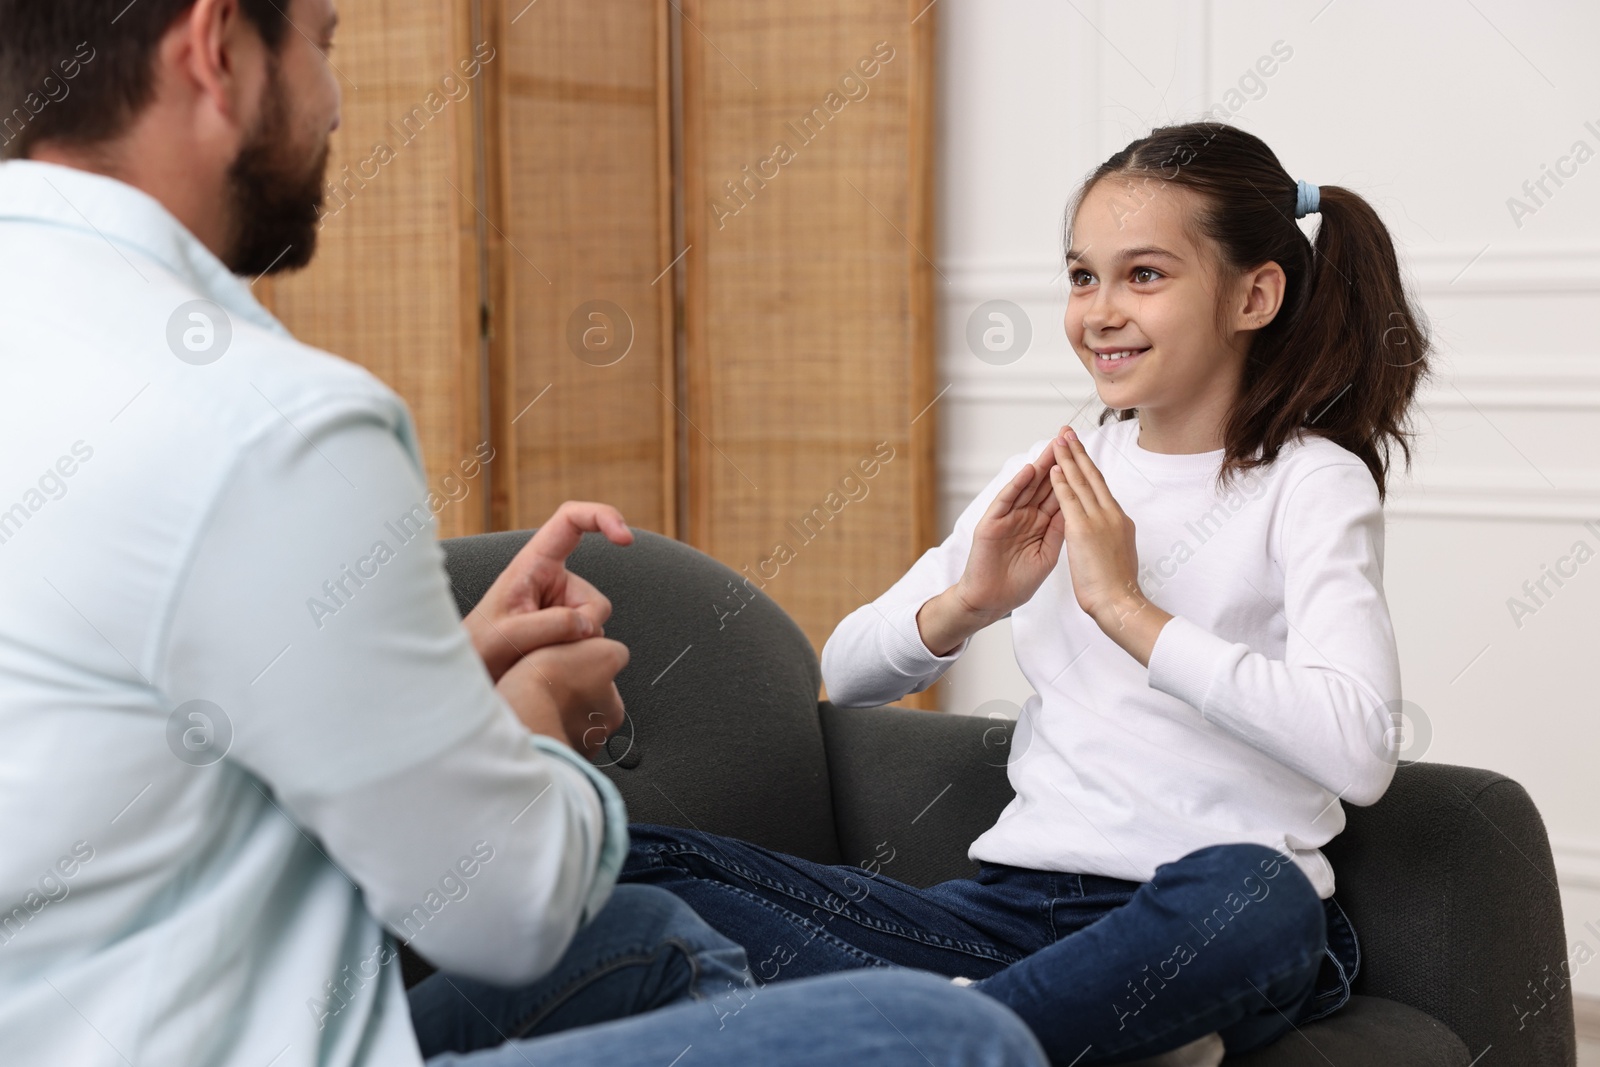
column 504, row 625
column 568, row 691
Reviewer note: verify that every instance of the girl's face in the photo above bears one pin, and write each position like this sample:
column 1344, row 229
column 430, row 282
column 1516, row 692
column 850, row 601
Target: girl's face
column 1142, row 289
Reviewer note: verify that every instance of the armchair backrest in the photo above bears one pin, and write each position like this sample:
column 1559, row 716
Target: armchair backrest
column 720, row 690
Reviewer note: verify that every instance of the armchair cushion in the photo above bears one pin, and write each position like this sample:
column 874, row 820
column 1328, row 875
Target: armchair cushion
column 720, row 690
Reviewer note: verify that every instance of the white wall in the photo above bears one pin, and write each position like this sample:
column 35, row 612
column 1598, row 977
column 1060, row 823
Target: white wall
column 1438, row 111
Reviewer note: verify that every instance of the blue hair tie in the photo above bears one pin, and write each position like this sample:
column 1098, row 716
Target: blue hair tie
column 1308, row 198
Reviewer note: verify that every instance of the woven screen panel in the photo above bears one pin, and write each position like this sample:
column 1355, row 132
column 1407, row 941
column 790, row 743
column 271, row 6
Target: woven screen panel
column 579, row 152
column 394, row 285
column 809, row 364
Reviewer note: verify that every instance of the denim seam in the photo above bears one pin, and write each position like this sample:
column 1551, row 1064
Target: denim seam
column 1275, row 976
column 1355, row 940
column 821, row 932
column 970, row 948
column 1322, row 1005
column 607, row 965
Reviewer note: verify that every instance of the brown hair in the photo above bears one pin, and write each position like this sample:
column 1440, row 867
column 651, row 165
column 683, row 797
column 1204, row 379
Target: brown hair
column 1348, row 349
column 78, row 71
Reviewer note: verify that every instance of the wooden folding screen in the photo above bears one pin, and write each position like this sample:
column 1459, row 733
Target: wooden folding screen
column 670, row 254
column 809, row 357
column 395, row 283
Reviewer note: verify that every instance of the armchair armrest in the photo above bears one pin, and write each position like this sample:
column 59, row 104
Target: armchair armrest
column 917, row 785
column 1451, row 886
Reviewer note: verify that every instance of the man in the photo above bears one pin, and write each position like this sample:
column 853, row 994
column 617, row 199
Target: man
column 245, row 743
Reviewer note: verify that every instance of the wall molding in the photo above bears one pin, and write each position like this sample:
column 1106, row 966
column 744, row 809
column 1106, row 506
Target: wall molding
column 1533, row 382
column 1496, row 268
column 1482, row 502
column 1488, row 504
column 1577, row 861
column 1465, row 387
column 1503, row 268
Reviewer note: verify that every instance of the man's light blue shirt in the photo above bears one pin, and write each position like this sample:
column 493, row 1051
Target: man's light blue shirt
column 245, row 743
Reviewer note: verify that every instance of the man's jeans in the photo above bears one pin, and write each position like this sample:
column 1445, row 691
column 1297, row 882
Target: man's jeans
column 1229, row 938
column 647, row 980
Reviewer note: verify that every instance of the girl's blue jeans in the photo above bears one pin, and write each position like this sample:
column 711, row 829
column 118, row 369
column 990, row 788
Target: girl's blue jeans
column 647, row 983
column 1230, row 938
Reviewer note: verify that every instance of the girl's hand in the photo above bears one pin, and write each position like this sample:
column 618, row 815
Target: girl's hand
column 1015, row 545
column 1101, row 551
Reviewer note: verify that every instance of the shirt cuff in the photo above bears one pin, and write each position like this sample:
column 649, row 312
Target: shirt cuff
column 904, row 647
column 614, row 847
column 1184, row 661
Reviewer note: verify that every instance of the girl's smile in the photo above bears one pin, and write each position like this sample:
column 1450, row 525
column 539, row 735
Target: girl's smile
column 1154, row 315
column 1116, row 360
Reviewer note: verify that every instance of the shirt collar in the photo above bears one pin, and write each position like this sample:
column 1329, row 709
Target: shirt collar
column 131, row 220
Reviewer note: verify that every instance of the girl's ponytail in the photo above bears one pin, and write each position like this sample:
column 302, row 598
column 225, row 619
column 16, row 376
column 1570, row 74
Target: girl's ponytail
column 1361, row 346
column 1348, row 349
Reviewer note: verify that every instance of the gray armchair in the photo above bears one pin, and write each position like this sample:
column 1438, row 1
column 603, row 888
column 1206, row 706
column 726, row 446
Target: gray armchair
column 1448, row 879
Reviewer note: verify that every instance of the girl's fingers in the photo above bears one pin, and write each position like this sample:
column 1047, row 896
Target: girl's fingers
column 1007, row 497
column 1042, row 490
column 1066, row 497
column 1051, row 504
column 1067, row 464
column 1091, row 474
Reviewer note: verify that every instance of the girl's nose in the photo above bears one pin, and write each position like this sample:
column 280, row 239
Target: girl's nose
column 1103, row 312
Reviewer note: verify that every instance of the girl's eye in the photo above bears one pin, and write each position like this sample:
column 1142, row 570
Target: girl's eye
column 1152, row 272
column 1080, row 278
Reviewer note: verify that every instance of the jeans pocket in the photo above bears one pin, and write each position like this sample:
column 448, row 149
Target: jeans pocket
column 1341, row 961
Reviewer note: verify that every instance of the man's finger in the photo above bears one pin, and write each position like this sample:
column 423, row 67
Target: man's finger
column 559, row 536
column 582, row 595
column 528, row 630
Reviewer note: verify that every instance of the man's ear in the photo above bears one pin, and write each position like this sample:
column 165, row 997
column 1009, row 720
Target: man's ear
column 220, row 58
column 1259, row 296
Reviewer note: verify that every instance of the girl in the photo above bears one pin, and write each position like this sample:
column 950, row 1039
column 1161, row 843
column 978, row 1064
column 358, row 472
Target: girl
column 1214, row 665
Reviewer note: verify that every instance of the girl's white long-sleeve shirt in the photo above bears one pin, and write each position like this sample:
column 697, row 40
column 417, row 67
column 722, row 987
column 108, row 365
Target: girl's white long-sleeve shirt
column 1270, row 695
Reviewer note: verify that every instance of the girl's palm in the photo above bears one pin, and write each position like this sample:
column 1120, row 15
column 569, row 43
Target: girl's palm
column 1016, row 544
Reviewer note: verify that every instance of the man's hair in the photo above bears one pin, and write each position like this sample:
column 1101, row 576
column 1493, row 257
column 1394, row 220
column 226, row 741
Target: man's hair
column 78, row 71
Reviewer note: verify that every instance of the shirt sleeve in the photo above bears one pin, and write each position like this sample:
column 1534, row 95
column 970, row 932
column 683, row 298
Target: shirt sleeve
column 614, row 847
column 1326, row 709
column 315, row 621
column 876, row 654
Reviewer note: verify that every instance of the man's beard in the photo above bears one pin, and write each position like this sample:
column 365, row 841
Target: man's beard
column 275, row 198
